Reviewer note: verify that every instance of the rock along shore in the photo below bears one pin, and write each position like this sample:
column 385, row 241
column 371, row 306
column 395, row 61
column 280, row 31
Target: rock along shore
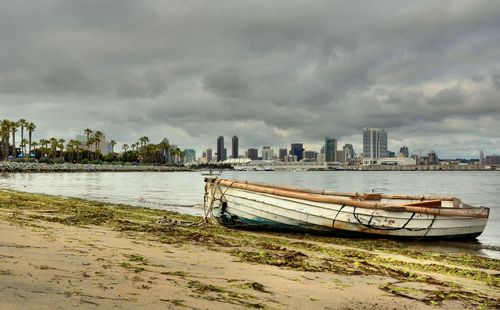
column 70, row 167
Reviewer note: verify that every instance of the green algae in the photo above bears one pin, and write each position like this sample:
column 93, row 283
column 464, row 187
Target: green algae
column 302, row 252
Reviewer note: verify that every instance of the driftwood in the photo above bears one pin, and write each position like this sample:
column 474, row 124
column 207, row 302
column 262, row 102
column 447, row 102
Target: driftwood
column 348, row 201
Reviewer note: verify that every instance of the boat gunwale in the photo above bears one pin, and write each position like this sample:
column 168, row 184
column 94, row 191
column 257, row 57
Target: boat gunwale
column 470, row 212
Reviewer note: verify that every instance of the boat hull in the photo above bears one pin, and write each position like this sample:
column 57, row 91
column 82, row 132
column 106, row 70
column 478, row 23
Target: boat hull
column 246, row 209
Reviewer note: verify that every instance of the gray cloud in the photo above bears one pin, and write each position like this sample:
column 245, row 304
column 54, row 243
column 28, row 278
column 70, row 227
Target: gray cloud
column 272, row 72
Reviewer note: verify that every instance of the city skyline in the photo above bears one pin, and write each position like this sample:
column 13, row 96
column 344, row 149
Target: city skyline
column 271, row 73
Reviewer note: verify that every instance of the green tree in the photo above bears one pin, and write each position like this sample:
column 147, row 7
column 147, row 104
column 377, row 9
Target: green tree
column 13, row 129
column 30, row 127
column 113, row 143
column 5, row 133
column 97, row 138
column 22, row 123
column 88, row 132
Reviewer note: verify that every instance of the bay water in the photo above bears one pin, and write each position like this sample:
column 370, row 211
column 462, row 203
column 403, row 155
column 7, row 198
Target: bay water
column 183, row 191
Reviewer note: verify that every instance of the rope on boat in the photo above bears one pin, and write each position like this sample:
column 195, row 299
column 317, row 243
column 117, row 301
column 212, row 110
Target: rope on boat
column 207, row 209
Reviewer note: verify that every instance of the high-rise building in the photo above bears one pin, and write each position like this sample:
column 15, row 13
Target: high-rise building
column 253, row 154
column 492, row 160
column 433, row 158
column 267, row 153
column 374, row 144
column 309, row 156
column 481, row 157
column 296, row 149
column 220, row 148
column 209, row 155
column 330, row 149
column 235, row 147
column 224, row 154
column 341, row 156
column 190, row 155
column 349, row 151
column 404, row 152
column 282, row 153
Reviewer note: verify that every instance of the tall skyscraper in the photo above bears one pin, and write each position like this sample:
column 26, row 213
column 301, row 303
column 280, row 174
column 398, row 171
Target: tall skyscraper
column 220, row 148
column 481, row 157
column 330, row 149
column 190, row 155
column 253, row 154
column 374, row 144
column 209, row 155
column 235, row 147
column 349, row 151
column 297, row 149
column 267, row 153
column 282, row 153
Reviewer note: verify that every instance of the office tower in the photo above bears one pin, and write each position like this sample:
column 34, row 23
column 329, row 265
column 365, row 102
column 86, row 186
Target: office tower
column 267, row 153
column 253, row 154
column 374, row 144
column 220, row 148
column 309, row 155
column 282, row 153
column 209, row 155
column 330, row 149
column 224, row 154
column 235, row 147
column 296, row 149
column 349, row 151
column 190, row 155
column 481, row 157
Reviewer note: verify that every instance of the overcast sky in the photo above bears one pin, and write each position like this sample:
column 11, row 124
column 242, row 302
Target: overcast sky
column 271, row 72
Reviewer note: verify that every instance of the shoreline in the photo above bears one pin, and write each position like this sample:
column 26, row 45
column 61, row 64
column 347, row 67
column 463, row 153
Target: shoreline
column 78, row 252
column 29, row 167
column 16, row 167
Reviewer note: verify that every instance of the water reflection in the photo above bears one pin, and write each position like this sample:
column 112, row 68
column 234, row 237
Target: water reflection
column 183, row 191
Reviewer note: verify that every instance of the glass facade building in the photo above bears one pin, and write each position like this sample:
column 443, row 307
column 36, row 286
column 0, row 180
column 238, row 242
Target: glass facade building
column 330, row 149
column 374, row 144
column 297, row 149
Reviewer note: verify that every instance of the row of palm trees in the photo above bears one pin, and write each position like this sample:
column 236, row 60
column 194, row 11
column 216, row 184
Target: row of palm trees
column 8, row 128
column 76, row 151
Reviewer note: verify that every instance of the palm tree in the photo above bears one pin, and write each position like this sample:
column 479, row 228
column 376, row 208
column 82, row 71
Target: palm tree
column 60, row 144
column 22, row 123
column 30, row 127
column 125, row 147
column 44, row 145
column 5, row 133
column 77, row 145
column 54, row 143
column 144, row 141
column 34, row 145
column 113, row 143
column 90, row 142
column 97, row 137
column 88, row 132
column 13, row 129
column 23, row 144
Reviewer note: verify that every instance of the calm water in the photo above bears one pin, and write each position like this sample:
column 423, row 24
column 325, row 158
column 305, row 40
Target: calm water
column 183, row 191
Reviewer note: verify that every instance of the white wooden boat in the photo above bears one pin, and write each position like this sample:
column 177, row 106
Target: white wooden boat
column 261, row 206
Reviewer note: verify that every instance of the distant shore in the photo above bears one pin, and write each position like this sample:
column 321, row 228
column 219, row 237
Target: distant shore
column 78, row 253
column 15, row 167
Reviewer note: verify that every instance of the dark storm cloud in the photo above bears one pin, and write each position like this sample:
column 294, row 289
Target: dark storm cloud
column 272, row 72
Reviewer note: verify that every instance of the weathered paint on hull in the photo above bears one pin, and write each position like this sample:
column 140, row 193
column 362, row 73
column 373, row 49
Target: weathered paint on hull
column 237, row 222
column 249, row 210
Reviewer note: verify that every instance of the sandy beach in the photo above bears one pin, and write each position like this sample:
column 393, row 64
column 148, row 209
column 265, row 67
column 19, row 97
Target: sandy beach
column 67, row 253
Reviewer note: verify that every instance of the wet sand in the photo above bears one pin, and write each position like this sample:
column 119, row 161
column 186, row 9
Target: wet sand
column 68, row 253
